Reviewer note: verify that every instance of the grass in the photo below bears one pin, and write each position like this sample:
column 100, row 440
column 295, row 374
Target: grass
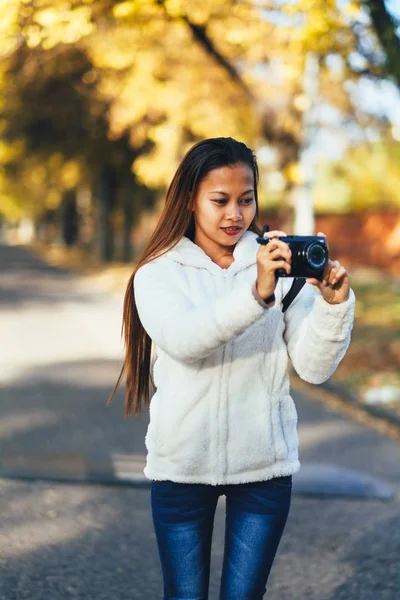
column 373, row 357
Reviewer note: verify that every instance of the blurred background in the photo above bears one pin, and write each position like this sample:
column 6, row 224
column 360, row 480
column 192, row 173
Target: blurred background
column 99, row 101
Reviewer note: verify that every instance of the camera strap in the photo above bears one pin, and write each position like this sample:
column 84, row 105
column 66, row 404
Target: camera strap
column 297, row 285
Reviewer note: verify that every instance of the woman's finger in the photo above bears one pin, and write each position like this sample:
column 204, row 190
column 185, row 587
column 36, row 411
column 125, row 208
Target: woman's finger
column 313, row 281
column 279, row 252
column 274, row 234
column 339, row 275
column 332, row 264
column 333, row 271
column 276, row 243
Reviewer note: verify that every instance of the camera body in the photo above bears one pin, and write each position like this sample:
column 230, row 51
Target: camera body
column 310, row 255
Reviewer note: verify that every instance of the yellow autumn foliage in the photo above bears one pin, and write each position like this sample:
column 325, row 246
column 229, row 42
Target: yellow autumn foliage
column 170, row 72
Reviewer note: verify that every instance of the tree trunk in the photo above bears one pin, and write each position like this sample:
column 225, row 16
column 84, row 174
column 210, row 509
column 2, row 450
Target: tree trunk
column 107, row 185
column 69, row 219
column 128, row 199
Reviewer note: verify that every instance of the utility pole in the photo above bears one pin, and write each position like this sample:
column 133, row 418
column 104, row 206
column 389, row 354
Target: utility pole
column 304, row 210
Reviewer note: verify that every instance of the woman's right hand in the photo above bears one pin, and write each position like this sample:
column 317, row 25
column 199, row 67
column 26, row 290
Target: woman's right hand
column 267, row 262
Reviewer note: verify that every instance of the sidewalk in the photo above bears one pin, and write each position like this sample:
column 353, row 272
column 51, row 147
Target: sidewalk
column 61, row 540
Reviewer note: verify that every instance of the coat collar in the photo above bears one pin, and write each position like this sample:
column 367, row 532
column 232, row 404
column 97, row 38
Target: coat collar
column 187, row 253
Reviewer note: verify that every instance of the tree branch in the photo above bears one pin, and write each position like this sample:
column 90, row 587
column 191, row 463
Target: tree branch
column 385, row 29
column 200, row 35
column 272, row 131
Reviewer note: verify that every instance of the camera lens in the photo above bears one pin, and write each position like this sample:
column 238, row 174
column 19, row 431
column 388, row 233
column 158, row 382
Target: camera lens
column 316, row 255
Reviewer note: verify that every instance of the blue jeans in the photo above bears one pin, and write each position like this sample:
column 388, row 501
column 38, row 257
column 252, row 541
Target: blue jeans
column 183, row 517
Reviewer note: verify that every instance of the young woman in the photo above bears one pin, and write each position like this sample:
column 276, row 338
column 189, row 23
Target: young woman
column 204, row 306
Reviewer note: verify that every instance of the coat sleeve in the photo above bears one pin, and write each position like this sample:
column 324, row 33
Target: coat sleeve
column 317, row 334
column 185, row 331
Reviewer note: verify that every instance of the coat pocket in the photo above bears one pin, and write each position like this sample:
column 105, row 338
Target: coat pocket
column 153, row 440
column 285, row 428
column 288, row 414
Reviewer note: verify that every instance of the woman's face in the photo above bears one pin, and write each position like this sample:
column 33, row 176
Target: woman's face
column 224, row 206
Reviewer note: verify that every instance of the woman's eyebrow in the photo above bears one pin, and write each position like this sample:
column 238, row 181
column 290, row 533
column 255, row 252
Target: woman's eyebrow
column 226, row 193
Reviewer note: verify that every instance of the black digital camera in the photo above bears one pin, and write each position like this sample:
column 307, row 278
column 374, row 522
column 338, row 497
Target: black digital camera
column 310, row 254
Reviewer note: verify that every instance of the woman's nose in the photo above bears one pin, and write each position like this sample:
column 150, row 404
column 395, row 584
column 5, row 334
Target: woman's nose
column 235, row 214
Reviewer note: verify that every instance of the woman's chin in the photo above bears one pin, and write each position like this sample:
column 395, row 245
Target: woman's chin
column 228, row 243
column 230, row 240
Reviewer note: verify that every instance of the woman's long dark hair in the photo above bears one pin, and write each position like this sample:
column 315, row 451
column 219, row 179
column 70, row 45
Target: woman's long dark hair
column 175, row 222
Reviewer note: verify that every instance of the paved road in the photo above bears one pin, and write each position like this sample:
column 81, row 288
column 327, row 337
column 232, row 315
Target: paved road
column 59, row 357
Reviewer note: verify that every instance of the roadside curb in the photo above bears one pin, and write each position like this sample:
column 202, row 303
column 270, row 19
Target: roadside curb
column 332, row 390
column 319, row 480
column 118, row 470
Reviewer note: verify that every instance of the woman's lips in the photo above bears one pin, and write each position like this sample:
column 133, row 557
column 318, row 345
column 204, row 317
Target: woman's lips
column 231, row 230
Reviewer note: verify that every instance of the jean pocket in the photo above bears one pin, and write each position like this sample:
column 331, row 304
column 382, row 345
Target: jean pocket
column 168, row 487
column 284, row 482
column 163, row 483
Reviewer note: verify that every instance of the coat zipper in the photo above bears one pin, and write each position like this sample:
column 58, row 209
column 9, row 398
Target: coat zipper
column 222, row 464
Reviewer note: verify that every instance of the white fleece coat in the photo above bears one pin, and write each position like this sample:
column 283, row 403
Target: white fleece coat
column 222, row 411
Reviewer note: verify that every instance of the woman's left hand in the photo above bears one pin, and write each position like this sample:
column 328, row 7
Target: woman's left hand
column 335, row 286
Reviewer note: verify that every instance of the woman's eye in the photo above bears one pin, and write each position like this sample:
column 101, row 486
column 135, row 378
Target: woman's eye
column 222, row 201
